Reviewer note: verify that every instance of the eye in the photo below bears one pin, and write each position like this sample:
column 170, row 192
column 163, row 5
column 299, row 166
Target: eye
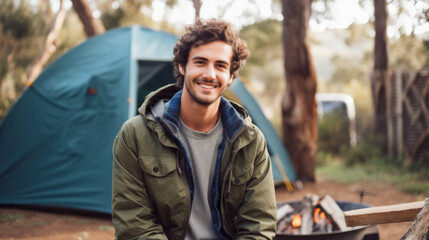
column 221, row 66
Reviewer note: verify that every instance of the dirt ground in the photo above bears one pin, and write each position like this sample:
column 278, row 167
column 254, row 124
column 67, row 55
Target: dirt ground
column 33, row 224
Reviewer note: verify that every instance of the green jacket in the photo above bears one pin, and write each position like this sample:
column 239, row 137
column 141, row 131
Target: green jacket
column 153, row 185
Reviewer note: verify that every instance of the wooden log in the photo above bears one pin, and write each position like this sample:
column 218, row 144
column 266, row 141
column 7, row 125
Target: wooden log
column 331, row 208
column 307, row 215
column 283, row 211
column 419, row 230
column 383, row 214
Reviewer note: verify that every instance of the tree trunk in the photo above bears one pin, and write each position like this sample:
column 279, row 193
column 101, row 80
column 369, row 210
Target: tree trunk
column 381, row 60
column 197, row 6
column 93, row 26
column 419, row 230
column 299, row 108
column 49, row 48
column 381, row 66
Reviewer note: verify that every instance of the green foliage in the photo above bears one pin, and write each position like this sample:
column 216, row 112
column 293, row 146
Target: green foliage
column 333, row 133
column 357, row 33
column 264, row 70
column 112, row 18
column 365, row 162
column 23, row 29
column 364, row 151
column 416, row 187
column 16, row 20
column 351, row 75
column 383, row 172
column 260, row 36
column 120, row 13
column 408, row 53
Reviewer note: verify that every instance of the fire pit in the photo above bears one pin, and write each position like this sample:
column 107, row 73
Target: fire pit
column 350, row 233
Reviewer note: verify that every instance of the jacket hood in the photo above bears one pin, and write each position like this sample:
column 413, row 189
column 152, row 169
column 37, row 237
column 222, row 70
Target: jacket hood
column 164, row 93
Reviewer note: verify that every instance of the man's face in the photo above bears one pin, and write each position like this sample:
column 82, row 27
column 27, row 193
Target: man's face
column 207, row 72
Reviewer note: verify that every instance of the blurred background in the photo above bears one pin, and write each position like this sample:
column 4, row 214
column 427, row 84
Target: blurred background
column 341, row 53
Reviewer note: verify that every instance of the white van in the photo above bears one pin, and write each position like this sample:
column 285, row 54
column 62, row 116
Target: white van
column 340, row 103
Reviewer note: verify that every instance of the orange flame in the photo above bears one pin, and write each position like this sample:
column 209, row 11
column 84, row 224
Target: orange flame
column 296, row 221
column 317, row 214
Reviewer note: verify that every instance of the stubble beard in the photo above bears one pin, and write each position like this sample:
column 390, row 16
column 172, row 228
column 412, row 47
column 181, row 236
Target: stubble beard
column 198, row 100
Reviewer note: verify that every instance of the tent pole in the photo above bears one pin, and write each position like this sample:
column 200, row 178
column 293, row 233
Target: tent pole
column 283, row 173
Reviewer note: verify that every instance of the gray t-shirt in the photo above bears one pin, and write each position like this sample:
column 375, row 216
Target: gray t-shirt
column 202, row 148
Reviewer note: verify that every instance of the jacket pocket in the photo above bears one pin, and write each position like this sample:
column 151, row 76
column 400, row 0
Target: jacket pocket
column 166, row 189
column 158, row 166
column 242, row 170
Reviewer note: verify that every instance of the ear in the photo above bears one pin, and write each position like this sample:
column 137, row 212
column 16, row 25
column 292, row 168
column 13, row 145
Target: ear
column 181, row 70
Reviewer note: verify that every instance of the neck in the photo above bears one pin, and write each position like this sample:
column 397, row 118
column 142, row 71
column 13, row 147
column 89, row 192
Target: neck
column 199, row 117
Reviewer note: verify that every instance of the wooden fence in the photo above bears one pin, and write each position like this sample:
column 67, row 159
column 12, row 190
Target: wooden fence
column 406, row 107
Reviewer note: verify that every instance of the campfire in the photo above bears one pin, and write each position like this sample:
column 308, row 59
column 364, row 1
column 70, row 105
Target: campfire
column 322, row 218
column 314, row 215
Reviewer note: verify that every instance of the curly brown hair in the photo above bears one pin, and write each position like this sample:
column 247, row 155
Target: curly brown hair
column 206, row 31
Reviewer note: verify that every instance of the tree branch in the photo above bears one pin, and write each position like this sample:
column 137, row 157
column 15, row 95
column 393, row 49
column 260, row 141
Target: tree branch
column 93, row 26
column 49, row 48
column 197, row 6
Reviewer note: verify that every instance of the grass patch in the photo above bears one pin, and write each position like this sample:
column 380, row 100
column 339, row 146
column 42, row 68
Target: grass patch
column 9, row 217
column 414, row 180
column 338, row 161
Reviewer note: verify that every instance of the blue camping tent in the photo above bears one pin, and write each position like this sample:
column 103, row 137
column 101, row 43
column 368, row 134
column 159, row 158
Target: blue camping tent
column 56, row 141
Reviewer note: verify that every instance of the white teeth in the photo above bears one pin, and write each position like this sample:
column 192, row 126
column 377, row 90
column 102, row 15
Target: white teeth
column 206, row 86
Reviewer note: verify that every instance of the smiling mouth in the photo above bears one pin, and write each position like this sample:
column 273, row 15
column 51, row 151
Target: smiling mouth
column 206, row 86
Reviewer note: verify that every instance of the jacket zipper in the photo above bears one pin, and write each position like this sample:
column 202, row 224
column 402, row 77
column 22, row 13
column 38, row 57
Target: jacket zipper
column 228, row 176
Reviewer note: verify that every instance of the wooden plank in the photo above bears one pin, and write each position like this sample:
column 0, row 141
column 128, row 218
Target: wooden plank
column 420, row 141
column 388, row 88
column 409, row 82
column 385, row 214
column 426, row 89
column 421, row 102
column 399, row 127
column 409, row 108
column 331, row 208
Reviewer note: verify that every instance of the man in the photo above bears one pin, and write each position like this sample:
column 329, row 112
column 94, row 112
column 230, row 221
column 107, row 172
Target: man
column 192, row 165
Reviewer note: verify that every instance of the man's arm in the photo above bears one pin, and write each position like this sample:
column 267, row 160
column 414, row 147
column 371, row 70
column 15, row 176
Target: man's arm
column 257, row 217
column 133, row 214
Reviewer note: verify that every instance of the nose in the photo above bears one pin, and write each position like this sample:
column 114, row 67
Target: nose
column 209, row 72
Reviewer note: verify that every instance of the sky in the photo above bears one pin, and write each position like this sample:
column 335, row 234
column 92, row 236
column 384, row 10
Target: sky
column 344, row 12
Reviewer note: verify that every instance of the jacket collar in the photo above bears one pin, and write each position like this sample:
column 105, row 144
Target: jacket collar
column 232, row 121
column 233, row 116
